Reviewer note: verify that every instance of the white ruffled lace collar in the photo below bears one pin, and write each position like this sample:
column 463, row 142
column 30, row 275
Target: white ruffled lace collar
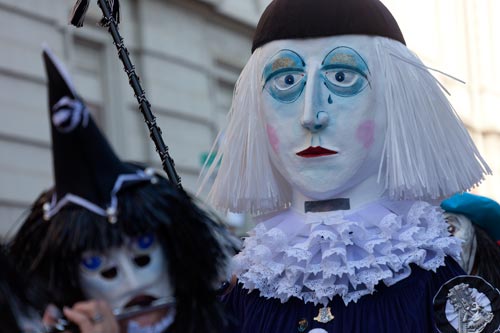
column 316, row 256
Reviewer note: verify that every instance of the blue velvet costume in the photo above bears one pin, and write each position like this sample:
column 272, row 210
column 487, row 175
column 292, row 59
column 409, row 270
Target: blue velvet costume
column 403, row 307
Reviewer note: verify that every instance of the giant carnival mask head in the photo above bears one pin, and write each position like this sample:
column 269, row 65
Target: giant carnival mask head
column 92, row 178
column 332, row 101
column 116, row 231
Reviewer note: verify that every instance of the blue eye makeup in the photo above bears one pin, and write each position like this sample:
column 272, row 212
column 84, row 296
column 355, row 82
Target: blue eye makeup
column 284, row 76
column 344, row 72
column 144, row 242
column 92, row 262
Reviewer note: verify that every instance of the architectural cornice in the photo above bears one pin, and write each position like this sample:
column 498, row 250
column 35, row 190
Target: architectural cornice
column 245, row 11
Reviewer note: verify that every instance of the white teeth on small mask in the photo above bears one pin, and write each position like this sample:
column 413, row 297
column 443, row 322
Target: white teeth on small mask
column 159, row 327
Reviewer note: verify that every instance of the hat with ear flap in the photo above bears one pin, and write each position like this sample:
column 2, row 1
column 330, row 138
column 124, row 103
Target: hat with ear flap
column 482, row 211
column 295, row 19
column 87, row 171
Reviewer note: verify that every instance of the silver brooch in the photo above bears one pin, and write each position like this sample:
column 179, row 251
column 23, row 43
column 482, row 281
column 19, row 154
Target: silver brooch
column 472, row 317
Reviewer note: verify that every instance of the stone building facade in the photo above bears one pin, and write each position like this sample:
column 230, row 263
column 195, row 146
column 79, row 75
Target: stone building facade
column 188, row 54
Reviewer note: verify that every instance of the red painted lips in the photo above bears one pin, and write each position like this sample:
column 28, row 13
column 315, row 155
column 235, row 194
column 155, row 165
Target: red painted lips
column 316, row 152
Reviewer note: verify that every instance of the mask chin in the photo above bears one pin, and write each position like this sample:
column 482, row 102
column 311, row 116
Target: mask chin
column 315, row 187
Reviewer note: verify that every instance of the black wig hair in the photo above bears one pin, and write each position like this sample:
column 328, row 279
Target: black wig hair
column 487, row 259
column 195, row 243
column 10, row 288
column 18, row 295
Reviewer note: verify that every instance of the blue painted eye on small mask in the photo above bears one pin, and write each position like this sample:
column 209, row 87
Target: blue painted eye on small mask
column 344, row 72
column 92, row 263
column 144, row 242
column 284, row 76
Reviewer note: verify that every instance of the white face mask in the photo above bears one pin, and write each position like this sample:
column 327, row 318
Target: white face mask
column 461, row 227
column 323, row 112
column 136, row 272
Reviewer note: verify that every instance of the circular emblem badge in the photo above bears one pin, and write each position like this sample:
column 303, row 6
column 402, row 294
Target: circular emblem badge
column 467, row 304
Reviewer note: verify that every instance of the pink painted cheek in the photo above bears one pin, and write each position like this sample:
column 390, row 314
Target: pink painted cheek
column 273, row 138
column 366, row 133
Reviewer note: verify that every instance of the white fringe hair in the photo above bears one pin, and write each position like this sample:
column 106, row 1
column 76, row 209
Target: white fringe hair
column 427, row 153
column 246, row 180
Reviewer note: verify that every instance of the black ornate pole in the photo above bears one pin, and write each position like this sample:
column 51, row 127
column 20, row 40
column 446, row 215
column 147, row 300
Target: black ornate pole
column 110, row 21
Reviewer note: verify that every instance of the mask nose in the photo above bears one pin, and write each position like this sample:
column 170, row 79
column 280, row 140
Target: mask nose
column 312, row 119
column 130, row 273
column 315, row 122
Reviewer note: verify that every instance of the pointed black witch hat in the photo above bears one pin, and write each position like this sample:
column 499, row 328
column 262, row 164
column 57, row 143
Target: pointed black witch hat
column 87, row 172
